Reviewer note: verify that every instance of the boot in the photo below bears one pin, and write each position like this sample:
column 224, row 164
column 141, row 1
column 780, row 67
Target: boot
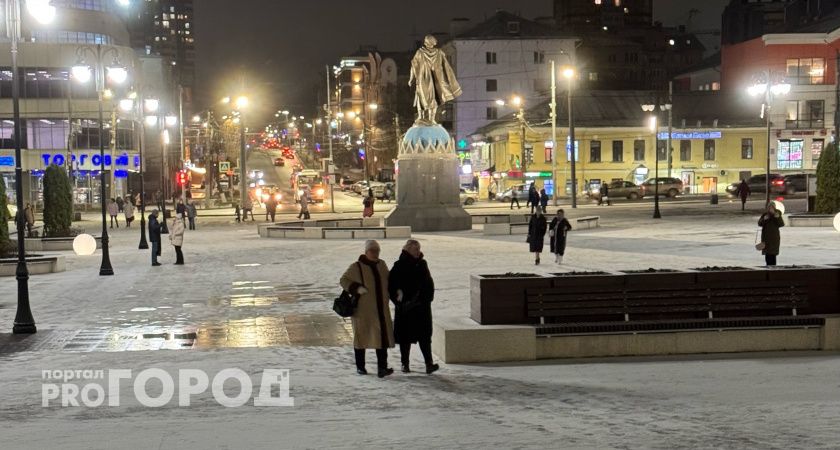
column 431, row 368
column 559, row 259
column 556, row 258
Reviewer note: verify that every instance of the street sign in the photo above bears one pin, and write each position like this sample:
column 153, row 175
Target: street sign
column 224, row 166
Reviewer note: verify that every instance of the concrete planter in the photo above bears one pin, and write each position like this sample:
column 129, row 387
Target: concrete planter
column 59, row 244
column 809, row 220
column 728, row 274
column 500, row 299
column 36, row 264
column 659, row 278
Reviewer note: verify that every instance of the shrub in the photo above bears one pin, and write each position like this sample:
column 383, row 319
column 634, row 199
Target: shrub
column 828, row 181
column 58, row 202
column 5, row 243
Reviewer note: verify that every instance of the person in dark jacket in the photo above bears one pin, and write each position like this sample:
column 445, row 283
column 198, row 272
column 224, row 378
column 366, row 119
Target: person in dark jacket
column 558, row 228
column 770, row 222
column 744, row 193
column 181, row 209
column 536, row 234
column 543, row 200
column 412, row 290
column 533, row 197
column 270, row 208
column 605, row 194
column 154, row 236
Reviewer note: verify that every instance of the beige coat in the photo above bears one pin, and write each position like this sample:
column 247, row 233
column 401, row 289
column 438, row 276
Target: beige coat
column 176, row 233
column 368, row 328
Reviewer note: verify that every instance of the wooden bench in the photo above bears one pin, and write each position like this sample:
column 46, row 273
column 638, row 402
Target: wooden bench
column 589, row 221
column 640, row 308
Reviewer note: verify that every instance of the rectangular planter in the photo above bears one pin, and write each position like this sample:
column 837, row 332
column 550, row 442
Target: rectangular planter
column 660, row 279
column 501, row 300
column 730, row 276
column 823, row 284
column 609, row 279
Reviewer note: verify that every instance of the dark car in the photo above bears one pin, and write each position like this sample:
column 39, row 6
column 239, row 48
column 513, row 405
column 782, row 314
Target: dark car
column 279, row 162
column 779, row 184
column 623, row 189
column 794, row 183
column 670, row 187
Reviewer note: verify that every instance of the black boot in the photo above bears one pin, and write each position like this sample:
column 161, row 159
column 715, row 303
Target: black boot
column 359, row 354
column 431, row 368
column 382, row 363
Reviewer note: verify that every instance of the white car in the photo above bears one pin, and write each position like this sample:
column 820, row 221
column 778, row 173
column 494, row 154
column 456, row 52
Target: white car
column 468, row 197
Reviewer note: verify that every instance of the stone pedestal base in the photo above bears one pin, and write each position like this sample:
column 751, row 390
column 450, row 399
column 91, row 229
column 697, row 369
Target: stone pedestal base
column 430, row 218
column 428, row 196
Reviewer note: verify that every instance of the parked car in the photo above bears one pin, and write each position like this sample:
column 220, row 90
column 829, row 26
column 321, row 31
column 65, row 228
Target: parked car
column 758, row 184
column 346, row 184
column 279, row 162
column 520, row 191
column 468, row 197
column 360, row 186
column 621, row 189
column 669, row 187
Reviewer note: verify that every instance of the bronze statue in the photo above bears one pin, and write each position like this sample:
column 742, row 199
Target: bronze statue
column 435, row 81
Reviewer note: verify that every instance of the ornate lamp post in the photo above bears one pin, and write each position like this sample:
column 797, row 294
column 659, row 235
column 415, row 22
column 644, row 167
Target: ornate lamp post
column 654, row 128
column 770, row 90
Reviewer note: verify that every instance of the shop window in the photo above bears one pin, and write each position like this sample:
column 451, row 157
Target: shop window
column 817, row 146
column 789, row 154
column 746, row 148
column 685, row 150
column 805, row 71
column 595, row 151
column 638, row 150
column 618, row 151
column 709, row 149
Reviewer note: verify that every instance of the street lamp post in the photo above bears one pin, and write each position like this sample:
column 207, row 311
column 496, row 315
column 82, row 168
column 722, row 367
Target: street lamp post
column 117, row 74
column 569, row 74
column 769, row 90
column 144, row 105
column 651, row 108
column 241, row 104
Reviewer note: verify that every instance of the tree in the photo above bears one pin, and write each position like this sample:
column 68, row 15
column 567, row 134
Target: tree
column 58, row 202
column 5, row 243
column 828, row 181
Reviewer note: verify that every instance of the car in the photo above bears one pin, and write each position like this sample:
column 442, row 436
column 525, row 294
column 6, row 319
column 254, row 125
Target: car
column 361, row 187
column 779, row 184
column 279, row 162
column 622, row 189
column 468, row 197
column 345, row 184
column 669, row 187
column 519, row 191
column 796, row 182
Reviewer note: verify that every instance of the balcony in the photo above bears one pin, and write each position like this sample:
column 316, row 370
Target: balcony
column 812, row 124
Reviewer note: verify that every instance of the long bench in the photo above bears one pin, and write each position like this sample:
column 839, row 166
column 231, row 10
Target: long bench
column 640, row 308
column 501, row 229
column 302, row 232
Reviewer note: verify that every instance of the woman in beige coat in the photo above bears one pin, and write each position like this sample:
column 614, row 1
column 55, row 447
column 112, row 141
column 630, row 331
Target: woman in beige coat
column 372, row 326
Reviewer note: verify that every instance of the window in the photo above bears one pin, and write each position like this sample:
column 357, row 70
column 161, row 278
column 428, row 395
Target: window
column 593, row 76
column 746, row 148
column 816, row 149
column 662, row 149
column 71, row 37
column 805, row 114
column 806, row 70
column 618, row 151
column 490, row 57
column 595, row 151
column 539, row 57
column 789, row 154
column 548, row 152
column 492, row 85
column 685, row 150
column 709, row 149
column 492, row 113
column 513, row 27
column 638, row 150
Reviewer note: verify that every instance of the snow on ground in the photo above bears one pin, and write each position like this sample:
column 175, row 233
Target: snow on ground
column 732, row 401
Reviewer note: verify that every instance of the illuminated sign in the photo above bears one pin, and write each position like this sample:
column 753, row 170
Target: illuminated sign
column 691, row 135
column 89, row 159
column 8, row 161
column 537, row 174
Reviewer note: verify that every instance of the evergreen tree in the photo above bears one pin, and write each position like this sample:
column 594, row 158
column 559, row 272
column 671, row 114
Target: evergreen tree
column 828, row 181
column 5, row 217
column 58, row 202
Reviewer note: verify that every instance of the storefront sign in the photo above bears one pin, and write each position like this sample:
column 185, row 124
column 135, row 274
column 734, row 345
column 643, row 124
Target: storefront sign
column 537, row 174
column 678, row 135
column 89, row 160
column 7, row 161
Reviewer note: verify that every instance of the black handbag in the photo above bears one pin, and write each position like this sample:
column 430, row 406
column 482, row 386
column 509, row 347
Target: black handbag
column 346, row 303
column 407, row 306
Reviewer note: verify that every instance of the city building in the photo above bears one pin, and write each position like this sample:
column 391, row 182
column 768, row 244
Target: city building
column 704, row 77
column 744, row 20
column 716, row 140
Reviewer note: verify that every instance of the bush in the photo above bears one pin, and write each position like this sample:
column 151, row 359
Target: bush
column 828, row 181
column 5, row 243
column 58, row 202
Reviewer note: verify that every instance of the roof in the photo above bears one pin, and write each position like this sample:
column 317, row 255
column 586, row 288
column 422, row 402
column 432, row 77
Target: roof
column 623, row 109
column 825, row 24
column 710, row 62
column 496, row 27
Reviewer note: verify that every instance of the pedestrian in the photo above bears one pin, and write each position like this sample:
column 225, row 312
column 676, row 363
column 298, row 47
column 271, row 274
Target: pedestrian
column 128, row 211
column 120, row 203
column 744, row 192
column 248, row 207
column 605, row 194
column 113, row 211
column 372, row 327
column 237, row 212
column 514, row 197
column 181, row 208
column 27, row 219
column 176, row 237
column 536, row 234
column 543, row 200
column 368, row 204
column 388, row 194
column 304, row 205
column 154, row 236
column 270, row 208
column 412, row 290
column 770, row 222
column 491, row 190
column 191, row 213
column 557, row 233
column 533, row 197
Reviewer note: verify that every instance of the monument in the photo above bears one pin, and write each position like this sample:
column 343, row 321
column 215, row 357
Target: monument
column 428, row 188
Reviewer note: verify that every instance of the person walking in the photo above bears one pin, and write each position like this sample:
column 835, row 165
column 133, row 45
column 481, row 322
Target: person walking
column 372, row 326
column 113, row 211
column 536, row 234
column 154, row 236
column 128, row 211
column 558, row 228
column 412, row 290
column 770, row 222
column 744, row 193
column 176, row 238
column 514, row 197
column 270, row 208
column 191, row 213
column 543, row 200
column 120, row 204
column 533, row 197
column 368, row 204
column 605, row 194
column 304, row 205
column 29, row 217
column 181, row 208
column 491, row 190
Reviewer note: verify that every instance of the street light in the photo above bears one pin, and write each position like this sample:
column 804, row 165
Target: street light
column 116, row 74
column 569, row 75
column 241, row 104
column 519, row 103
column 653, row 125
column 769, row 89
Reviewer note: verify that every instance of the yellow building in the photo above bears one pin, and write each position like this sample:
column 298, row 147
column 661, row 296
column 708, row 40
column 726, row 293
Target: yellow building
column 719, row 150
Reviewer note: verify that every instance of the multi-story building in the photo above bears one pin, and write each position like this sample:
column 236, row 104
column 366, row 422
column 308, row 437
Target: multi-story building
column 59, row 113
column 744, row 20
column 502, row 57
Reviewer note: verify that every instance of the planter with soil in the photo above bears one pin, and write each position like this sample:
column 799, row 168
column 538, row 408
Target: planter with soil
column 36, row 264
column 55, row 244
column 500, row 298
column 593, row 279
column 658, row 277
column 715, row 274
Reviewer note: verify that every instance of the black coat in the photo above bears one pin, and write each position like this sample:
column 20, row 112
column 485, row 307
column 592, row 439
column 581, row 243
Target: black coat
column 770, row 232
column 558, row 240
column 154, row 229
column 536, row 233
column 411, row 276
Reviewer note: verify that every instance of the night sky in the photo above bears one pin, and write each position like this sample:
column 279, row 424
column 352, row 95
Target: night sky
column 281, row 47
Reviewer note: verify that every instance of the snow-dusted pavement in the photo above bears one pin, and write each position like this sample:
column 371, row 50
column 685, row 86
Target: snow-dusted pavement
column 265, row 304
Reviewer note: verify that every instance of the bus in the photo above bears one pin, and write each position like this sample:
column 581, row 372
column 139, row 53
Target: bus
column 315, row 182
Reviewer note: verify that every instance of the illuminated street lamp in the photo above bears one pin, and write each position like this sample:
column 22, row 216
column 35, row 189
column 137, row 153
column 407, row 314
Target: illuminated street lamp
column 653, row 125
column 770, row 90
column 518, row 102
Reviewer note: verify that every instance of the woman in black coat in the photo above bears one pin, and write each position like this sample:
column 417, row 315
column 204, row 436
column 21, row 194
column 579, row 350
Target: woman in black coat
column 536, row 234
column 412, row 290
column 559, row 227
column 770, row 222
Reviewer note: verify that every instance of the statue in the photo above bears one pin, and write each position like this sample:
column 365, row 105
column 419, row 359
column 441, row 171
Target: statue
column 435, row 81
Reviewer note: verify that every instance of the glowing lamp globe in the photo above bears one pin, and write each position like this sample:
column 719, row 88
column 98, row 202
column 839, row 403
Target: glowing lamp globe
column 837, row 222
column 84, row 245
column 779, row 206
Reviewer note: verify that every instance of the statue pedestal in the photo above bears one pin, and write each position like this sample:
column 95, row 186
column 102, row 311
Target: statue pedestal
column 428, row 188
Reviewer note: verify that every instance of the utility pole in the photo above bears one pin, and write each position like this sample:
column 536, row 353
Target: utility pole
column 183, row 141
column 522, row 137
column 670, row 125
column 555, row 194
column 331, row 165
column 572, row 148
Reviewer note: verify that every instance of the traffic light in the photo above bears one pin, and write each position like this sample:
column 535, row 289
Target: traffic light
column 182, row 178
column 361, row 153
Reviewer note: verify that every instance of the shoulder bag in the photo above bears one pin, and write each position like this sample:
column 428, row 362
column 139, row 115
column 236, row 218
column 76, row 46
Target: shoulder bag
column 346, row 303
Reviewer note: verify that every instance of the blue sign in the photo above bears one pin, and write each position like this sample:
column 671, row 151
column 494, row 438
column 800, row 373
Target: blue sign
column 93, row 159
column 691, row 135
column 462, row 144
column 7, row 161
